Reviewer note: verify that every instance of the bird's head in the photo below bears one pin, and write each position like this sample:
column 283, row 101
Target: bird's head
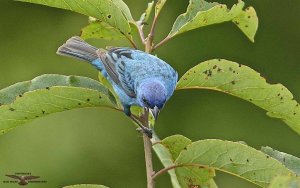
column 152, row 95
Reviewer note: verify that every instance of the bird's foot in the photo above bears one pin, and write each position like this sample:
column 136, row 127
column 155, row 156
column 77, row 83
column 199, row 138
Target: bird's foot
column 145, row 130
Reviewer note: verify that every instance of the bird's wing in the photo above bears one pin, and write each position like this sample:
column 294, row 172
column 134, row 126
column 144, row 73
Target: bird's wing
column 31, row 177
column 113, row 61
column 14, row 176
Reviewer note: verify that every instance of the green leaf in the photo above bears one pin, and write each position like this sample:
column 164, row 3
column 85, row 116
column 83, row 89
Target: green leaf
column 85, row 186
column 233, row 158
column 159, row 5
column 100, row 30
column 145, row 16
column 166, row 153
column 47, row 94
column 285, row 182
column 193, row 176
column 124, row 8
column 113, row 12
column 290, row 161
column 106, row 84
column 247, row 21
column 166, row 159
column 243, row 82
column 176, row 144
column 201, row 13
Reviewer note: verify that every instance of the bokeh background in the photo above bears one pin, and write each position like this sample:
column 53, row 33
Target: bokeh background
column 100, row 145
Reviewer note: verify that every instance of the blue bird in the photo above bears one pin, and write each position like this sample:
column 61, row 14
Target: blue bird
column 138, row 78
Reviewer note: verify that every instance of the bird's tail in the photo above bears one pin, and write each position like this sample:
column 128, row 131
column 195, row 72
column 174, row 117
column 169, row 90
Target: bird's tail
column 77, row 48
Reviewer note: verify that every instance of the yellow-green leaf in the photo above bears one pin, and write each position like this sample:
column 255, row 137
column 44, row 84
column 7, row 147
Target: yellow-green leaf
column 243, row 82
column 159, row 5
column 285, row 182
column 201, row 13
column 230, row 157
column 166, row 159
column 176, row 144
column 100, row 30
column 168, row 153
column 114, row 12
column 194, row 176
column 47, row 94
column 106, row 84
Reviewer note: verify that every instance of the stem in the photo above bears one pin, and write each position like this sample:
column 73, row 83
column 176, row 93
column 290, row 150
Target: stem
column 148, row 152
column 148, row 159
column 161, row 43
column 164, row 170
column 153, row 26
column 149, row 39
column 148, row 42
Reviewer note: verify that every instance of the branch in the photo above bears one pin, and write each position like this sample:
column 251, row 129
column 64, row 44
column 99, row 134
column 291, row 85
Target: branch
column 164, row 170
column 153, row 26
column 148, row 152
column 149, row 40
column 161, row 43
column 148, row 159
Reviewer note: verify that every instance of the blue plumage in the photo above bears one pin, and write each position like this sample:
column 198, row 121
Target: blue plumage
column 137, row 77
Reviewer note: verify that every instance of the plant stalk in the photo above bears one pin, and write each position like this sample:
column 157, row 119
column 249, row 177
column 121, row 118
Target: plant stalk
column 148, row 42
column 148, row 159
column 148, row 151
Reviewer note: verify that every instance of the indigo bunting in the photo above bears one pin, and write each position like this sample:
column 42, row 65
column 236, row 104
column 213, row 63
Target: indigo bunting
column 138, row 78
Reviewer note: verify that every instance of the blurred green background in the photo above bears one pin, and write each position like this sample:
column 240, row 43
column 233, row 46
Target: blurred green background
column 100, row 145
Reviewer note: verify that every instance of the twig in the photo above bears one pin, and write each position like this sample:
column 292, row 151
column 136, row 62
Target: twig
column 150, row 38
column 161, row 43
column 164, row 170
column 148, row 159
column 148, row 42
column 153, row 26
column 148, row 152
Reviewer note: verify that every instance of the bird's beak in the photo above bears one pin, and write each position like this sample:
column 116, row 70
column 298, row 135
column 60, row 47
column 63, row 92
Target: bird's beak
column 155, row 112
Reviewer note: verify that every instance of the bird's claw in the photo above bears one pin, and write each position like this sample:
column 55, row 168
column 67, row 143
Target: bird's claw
column 145, row 130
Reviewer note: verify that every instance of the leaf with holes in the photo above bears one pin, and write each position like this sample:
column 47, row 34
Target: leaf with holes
column 47, row 94
column 230, row 157
column 285, row 182
column 85, row 186
column 167, row 152
column 243, row 82
column 290, row 161
column 100, row 30
column 113, row 12
column 201, row 13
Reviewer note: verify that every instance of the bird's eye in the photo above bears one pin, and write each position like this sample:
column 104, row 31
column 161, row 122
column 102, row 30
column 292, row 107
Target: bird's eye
column 145, row 101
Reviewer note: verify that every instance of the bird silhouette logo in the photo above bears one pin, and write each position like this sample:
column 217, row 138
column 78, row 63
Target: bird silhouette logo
column 23, row 180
